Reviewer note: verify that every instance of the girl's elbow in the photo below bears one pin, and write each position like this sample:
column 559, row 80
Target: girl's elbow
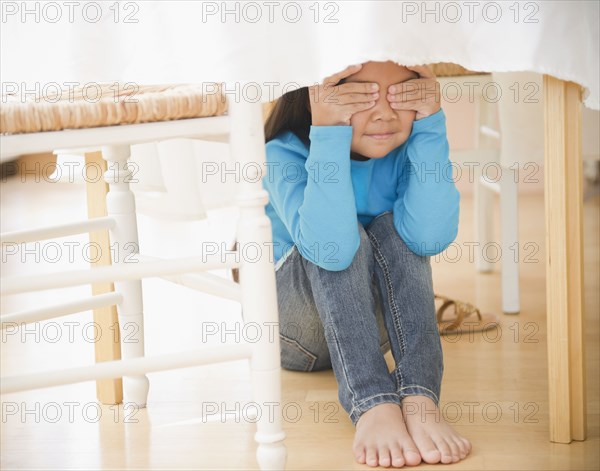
column 430, row 243
column 343, row 259
column 336, row 265
column 332, row 256
column 443, row 241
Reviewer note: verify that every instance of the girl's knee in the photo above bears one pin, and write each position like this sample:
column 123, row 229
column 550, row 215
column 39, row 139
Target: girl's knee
column 296, row 357
column 303, row 345
column 383, row 233
column 361, row 259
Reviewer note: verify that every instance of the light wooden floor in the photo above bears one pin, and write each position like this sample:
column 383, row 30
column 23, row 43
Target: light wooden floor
column 494, row 390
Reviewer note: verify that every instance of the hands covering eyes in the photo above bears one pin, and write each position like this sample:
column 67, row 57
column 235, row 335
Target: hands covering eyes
column 421, row 94
column 333, row 105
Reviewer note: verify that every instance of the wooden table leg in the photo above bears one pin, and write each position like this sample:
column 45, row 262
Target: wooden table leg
column 108, row 347
column 563, row 189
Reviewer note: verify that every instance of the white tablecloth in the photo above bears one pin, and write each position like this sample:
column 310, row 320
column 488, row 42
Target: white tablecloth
column 261, row 49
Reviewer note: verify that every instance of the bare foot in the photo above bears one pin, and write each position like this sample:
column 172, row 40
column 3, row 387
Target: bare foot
column 382, row 439
column 436, row 441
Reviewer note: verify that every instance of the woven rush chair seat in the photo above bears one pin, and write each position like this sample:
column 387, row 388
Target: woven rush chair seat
column 449, row 69
column 109, row 104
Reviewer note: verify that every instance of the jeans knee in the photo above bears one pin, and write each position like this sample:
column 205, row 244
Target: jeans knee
column 389, row 247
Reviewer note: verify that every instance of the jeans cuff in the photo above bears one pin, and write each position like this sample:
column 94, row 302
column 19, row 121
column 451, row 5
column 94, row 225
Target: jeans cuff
column 416, row 390
column 363, row 406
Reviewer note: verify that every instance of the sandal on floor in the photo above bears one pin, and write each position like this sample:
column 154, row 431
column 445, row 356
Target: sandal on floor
column 463, row 319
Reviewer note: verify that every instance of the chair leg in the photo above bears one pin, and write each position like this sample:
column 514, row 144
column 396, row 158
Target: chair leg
column 482, row 209
column 509, row 224
column 120, row 204
column 257, row 282
column 108, row 346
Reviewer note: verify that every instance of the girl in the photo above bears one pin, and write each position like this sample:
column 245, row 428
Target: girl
column 358, row 204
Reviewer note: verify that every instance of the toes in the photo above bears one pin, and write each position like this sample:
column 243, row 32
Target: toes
column 454, row 449
column 444, row 449
column 384, row 457
column 467, row 444
column 462, row 448
column 360, row 455
column 412, row 456
column 371, row 456
column 397, row 457
column 428, row 450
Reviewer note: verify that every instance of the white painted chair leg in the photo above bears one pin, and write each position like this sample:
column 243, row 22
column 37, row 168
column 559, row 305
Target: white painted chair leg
column 511, row 251
column 258, row 285
column 120, row 204
column 483, row 215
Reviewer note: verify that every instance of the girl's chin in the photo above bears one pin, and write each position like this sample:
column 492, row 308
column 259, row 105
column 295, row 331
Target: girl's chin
column 377, row 148
column 377, row 153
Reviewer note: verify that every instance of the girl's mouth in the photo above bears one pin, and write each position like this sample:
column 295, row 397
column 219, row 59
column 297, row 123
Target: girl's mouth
column 380, row 137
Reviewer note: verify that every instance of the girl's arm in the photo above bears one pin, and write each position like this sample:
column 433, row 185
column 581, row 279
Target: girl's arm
column 426, row 211
column 313, row 195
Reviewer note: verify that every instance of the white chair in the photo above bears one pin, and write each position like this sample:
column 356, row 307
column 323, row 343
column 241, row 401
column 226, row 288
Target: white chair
column 518, row 154
column 243, row 130
column 508, row 148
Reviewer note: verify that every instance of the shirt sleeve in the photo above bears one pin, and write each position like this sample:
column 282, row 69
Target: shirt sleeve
column 426, row 211
column 313, row 194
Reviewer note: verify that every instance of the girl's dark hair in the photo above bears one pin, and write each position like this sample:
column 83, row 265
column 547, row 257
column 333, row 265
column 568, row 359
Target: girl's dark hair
column 291, row 112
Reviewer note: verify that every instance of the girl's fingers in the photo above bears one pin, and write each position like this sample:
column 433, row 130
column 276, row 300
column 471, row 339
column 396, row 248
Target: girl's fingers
column 358, row 87
column 336, row 95
column 347, row 72
column 412, row 86
column 412, row 104
column 351, row 92
column 349, row 98
column 409, row 98
column 398, row 97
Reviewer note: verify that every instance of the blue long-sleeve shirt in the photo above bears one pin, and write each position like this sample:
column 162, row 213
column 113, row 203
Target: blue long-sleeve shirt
column 318, row 195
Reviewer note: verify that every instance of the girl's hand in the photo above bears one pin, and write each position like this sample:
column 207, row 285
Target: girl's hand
column 421, row 95
column 334, row 105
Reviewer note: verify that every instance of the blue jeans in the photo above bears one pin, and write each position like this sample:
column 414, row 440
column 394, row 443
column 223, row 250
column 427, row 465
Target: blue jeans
column 347, row 320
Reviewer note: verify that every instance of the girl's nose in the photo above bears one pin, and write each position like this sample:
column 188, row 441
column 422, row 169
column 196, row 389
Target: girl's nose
column 382, row 108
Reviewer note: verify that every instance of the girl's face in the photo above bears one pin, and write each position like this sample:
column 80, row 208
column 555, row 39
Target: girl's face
column 380, row 129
